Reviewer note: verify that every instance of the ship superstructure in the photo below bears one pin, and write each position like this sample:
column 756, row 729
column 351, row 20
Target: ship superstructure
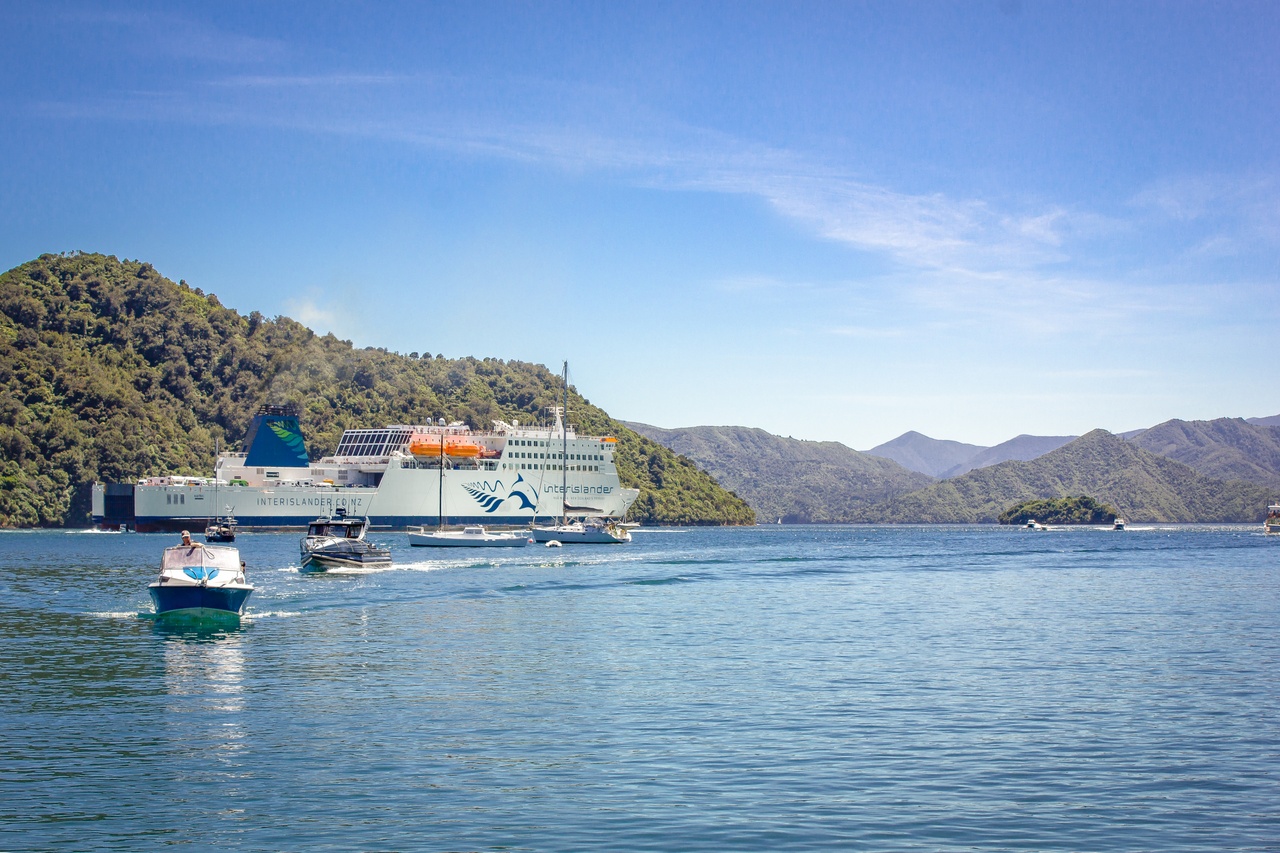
column 510, row 475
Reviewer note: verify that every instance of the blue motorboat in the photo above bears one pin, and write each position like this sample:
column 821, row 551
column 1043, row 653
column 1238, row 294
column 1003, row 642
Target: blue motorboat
column 197, row 579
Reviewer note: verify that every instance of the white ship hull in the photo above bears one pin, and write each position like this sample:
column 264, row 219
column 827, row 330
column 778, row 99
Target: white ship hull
column 525, row 476
column 404, row 498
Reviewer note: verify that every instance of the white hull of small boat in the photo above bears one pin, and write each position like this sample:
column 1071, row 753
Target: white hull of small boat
column 469, row 537
column 324, row 561
column 580, row 534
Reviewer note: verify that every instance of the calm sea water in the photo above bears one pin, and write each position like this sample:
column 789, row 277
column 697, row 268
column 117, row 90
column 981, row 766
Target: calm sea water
column 776, row 688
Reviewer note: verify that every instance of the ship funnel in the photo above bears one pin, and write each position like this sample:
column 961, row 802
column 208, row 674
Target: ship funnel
column 275, row 440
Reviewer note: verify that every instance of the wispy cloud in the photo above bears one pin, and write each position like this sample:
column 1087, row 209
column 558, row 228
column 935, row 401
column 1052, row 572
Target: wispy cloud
column 178, row 37
column 970, row 256
column 308, row 313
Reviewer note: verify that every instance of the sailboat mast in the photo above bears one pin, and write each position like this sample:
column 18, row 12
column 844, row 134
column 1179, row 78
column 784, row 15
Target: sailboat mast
column 564, row 450
column 440, row 495
column 217, row 511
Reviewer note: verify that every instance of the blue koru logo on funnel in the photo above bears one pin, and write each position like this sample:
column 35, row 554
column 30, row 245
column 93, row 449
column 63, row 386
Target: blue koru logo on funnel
column 490, row 496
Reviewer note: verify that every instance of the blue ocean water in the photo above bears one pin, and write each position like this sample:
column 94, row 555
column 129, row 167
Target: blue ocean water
column 772, row 688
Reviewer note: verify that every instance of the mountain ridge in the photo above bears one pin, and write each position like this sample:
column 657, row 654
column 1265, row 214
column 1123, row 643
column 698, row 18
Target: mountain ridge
column 1225, row 448
column 793, row 480
column 1140, row 485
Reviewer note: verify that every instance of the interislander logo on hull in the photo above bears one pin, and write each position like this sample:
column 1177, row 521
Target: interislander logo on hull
column 490, row 496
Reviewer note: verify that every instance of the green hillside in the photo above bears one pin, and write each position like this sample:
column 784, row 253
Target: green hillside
column 1225, row 448
column 796, row 481
column 1140, row 485
column 109, row 371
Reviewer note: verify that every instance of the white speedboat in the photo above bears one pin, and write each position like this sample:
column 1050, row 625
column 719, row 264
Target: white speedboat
column 1272, row 524
column 1032, row 524
column 200, row 579
column 590, row 531
column 337, row 542
column 1118, row 524
column 471, row 536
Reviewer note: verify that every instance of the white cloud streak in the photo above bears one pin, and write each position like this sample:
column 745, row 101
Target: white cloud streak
column 963, row 255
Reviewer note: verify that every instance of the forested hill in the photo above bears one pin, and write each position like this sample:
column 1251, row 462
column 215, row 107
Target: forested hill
column 1140, row 485
column 1226, row 448
column 789, row 479
column 110, row 371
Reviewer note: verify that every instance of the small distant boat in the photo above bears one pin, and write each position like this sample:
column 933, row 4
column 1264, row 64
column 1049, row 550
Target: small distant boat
column 1032, row 524
column 221, row 529
column 589, row 531
column 443, row 444
column 592, row 528
column 337, row 542
column 472, row 536
column 198, row 579
column 1272, row 524
column 1118, row 524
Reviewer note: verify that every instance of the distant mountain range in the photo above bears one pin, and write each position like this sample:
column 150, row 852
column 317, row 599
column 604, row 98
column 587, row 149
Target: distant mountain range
column 931, row 456
column 1220, row 470
column 940, row 458
column 1139, row 484
column 788, row 479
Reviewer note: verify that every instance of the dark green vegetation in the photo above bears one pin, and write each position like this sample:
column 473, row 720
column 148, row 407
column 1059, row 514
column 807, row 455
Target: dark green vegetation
column 1069, row 510
column 109, row 371
column 797, row 481
column 1140, row 485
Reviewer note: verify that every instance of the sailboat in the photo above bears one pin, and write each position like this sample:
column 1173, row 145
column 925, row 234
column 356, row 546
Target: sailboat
column 588, row 529
column 220, row 529
column 470, row 536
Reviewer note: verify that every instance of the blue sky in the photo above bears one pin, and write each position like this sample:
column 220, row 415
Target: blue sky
column 836, row 221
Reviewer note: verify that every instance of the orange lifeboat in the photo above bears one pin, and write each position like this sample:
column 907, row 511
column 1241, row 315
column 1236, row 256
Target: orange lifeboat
column 464, row 449
column 423, row 444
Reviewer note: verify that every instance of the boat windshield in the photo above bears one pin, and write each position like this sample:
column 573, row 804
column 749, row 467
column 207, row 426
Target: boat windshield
column 182, row 556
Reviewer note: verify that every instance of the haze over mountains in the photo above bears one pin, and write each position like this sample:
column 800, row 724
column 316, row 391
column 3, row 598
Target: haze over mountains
column 942, row 458
column 1179, row 471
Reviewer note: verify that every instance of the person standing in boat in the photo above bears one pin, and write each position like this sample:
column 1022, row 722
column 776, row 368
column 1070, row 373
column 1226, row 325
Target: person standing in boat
column 186, row 537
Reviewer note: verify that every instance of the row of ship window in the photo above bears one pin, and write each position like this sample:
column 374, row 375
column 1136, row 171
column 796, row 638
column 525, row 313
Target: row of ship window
column 535, row 466
column 577, row 457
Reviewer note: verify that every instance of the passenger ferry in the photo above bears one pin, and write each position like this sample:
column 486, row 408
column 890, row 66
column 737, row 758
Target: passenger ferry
column 511, row 475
